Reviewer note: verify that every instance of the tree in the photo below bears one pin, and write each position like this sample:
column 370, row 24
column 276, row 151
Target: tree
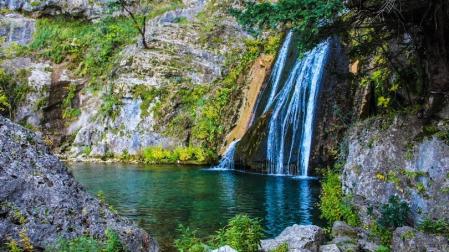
column 420, row 27
column 130, row 7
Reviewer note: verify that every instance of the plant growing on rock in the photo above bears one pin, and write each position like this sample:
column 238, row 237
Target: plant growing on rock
column 334, row 205
column 394, row 214
column 130, row 7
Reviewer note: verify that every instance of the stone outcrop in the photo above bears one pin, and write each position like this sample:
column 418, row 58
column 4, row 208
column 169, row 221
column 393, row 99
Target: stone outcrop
column 398, row 156
column 34, row 79
column 298, row 238
column 76, row 8
column 177, row 54
column 16, row 28
column 40, row 197
column 407, row 239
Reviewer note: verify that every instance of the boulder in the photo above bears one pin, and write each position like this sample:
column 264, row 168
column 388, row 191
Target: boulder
column 40, row 198
column 340, row 228
column 298, row 238
column 346, row 244
column 400, row 156
column 407, row 239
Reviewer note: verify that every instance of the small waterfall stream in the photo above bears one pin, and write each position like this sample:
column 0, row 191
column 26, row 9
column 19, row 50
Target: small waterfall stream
column 291, row 97
column 227, row 161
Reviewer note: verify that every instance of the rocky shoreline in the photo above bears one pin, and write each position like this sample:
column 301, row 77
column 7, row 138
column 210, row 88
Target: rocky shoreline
column 40, row 199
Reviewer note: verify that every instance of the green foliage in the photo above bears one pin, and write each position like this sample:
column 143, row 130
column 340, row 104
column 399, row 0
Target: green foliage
column 87, row 150
column 110, row 107
column 13, row 246
column 382, row 248
column 393, row 214
column 4, row 102
column 13, row 90
column 281, row 248
column 209, row 127
column 111, row 243
column 188, row 241
column 242, row 233
column 304, row 15
column 90, row 48
column 190, row 154
column 69, row 111
column 334, row 205
column 438, row 227
column 385, row 235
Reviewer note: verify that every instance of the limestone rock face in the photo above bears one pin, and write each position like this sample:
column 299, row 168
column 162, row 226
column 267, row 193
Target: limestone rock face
column 396, row 156
column 16, row 28
column 178, row 54
column 407, row 239
column 76, row 8
column 298, row 238
column 40, row 197
column 34, row 77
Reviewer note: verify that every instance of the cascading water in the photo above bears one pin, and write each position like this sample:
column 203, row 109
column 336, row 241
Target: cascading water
column 289, row 100
column 293, row 110
column 227, row 161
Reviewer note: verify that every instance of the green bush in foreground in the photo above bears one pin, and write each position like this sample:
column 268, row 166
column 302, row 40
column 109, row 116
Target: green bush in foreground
column 87, row 243
column 333, row 204
column 242, row 233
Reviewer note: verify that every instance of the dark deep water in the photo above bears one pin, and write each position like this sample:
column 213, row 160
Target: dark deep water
column 159, row 198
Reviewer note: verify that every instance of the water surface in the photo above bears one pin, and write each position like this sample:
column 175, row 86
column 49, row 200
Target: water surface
column 159, row 198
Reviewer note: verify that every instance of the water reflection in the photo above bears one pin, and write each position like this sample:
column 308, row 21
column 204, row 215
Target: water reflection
column 159, row 198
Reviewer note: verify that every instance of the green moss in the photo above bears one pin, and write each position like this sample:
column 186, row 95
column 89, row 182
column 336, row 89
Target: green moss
column 438, row 227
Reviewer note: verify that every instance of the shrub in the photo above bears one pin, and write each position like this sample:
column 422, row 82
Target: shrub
column 393, row 214
column 333, row 205
column 439, row 227
column 111, row 243
column 242, row 233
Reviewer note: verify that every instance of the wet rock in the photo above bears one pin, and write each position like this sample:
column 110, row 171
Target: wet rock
column 407, row 239
column 16, row 28
column 298, row 238
column 40, row 197
column 329, row 248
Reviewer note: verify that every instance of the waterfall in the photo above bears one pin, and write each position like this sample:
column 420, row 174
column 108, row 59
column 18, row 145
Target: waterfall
column 227, row 161
column 278, row 68
column 293, row 110
column 289, row 100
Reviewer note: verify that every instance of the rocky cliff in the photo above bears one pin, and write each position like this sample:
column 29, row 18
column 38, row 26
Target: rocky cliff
column 160, row 96
column 41, row 201
column 400, row 156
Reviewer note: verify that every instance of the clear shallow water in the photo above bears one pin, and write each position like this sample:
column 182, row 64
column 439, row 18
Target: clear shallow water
column 159, row 198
